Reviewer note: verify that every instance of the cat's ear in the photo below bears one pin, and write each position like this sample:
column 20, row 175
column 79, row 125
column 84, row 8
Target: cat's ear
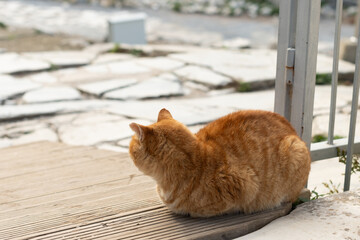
column 138, row 129
column 164, row 114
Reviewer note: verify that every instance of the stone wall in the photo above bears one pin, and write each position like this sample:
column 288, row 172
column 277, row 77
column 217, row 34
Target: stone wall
column 252, row 8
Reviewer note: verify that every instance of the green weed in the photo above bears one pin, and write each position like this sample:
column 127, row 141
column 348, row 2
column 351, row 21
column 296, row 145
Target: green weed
column 322, row 138
column 355, row 167
column 244, row 87
column 136, row 52
column 177, row 6
column 323, row 79
column 116, row 48
column 3, row 25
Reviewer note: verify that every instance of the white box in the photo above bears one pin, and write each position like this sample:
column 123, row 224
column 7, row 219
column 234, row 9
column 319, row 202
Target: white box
column 129, row 29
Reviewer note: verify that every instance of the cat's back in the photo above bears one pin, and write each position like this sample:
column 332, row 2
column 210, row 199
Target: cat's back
column 262, row 151
column 248, row 123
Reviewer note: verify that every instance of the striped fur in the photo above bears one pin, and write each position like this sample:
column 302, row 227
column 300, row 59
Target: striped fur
column 246, row 161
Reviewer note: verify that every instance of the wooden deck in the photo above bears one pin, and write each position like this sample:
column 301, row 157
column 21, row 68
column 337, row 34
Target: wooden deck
column 54, row 191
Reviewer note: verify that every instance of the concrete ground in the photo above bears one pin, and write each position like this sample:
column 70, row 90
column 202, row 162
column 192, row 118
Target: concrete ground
column 331, row 218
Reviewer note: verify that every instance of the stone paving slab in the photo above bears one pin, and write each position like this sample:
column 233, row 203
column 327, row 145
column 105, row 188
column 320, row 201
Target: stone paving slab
column 98, row 72
column 341, row 128
column 63, row 58
column 151, row 88
column 11, row 86
column 203, row 75
column 234, row 43
column 196, row 86
column 51, row 94
column 217, row 92
column 130, row 67
column 83, row 74
column 324, row 66
column 43, row 78
column 14, row 63
column 161, row 63
column 150, row 50
column 112, row 57
column 188, row 114
column 94, row 133
column 124, row 143
column 223, row 60
column 17, row 129
column 331, row 218
column 100, row 48
column 93, row 117
column 323, row 96
column 43, row 134
column 253, row 66
column 101, row 87
column 261, row 100
column 8, row 112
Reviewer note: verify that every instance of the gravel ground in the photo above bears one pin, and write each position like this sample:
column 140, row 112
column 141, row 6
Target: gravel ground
column 29, row 40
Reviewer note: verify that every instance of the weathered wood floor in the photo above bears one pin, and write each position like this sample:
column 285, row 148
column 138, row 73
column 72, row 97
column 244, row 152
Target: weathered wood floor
column 55, row 191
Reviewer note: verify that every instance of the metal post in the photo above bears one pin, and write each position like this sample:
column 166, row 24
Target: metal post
column 357, row 20
column 335, row 71
column 354, row 107
column 307, row 35
column 286, row 41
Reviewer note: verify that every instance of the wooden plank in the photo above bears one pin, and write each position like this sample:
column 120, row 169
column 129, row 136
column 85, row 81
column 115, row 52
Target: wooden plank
column 61, row 179
column 66, row 185
column 160, row 223
column 53, row 198
column 98, row 195
column 48, row 157
column 72, row 203
column 41, row 223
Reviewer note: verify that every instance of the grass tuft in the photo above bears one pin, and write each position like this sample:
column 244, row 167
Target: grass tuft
column 323, row 79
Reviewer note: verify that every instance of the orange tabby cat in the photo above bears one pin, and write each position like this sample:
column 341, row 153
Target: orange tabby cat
column 246, row 161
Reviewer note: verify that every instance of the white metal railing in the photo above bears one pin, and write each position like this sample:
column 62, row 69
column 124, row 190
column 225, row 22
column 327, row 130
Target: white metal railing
column 296, row 74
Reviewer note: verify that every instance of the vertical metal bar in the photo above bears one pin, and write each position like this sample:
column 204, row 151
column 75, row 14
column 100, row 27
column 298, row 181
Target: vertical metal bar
column 354, row 107
column 307, row 35
column 335, row 70
column 357, row 20
column 286, row 39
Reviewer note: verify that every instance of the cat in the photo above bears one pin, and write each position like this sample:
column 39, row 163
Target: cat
column 247, row 161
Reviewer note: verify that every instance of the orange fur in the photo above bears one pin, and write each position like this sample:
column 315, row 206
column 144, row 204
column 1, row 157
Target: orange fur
column 246, row 161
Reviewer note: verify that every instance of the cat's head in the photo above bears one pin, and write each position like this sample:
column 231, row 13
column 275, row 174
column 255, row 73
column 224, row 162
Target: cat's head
column 162, row 146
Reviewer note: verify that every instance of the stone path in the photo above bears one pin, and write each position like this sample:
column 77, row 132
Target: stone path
column 333, row 217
